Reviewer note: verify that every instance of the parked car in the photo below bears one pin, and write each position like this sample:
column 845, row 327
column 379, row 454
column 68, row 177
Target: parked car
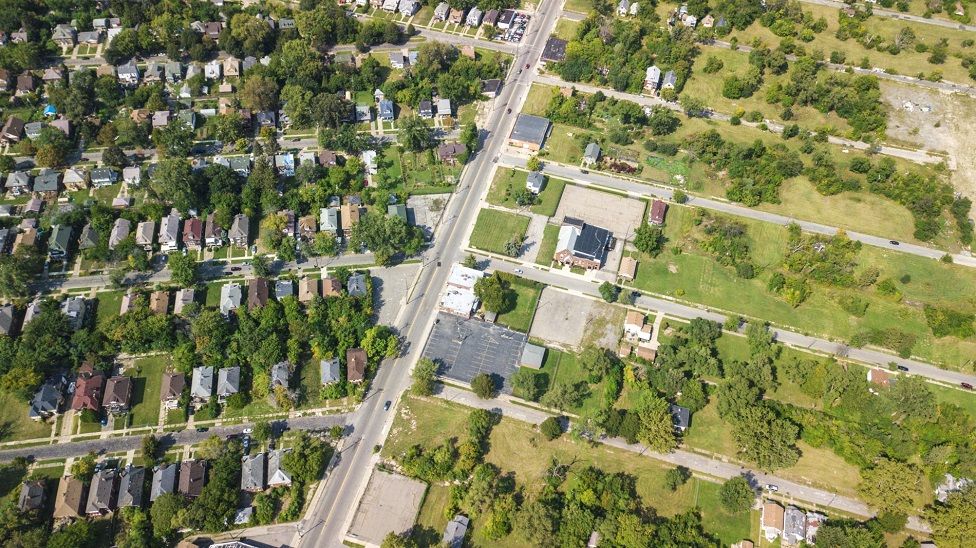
column 386, row 406
column 966, row 385
column 202, row 429
column 902, row 368
column 772, row 488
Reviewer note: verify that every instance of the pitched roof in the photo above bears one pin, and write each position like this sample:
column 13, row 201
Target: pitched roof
column 230, row 297
column 173, row 385
column 31, row 495
column 88, row 392
column 355, row 364
column 118, row 391
column 257, row 292
column 228, row 381
column 280, row 373
column 252, row 472
column 329, row 371
column 130, row 486
column 47, row 398
column 192, row 477
column 530, row 129
column 163, row 480
column 276, row 474
column 101, row 492
column 202, row 382
column 70, row 500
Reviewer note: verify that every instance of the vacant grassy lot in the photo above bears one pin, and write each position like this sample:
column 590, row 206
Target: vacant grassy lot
column 518, row 447
column 493, row 228
column 565, row 368
column 566, row 29
column 697, row 277
column 109, row 304
column 547, row 248
column 147, row 379
column 15, row 422
column 507, row 181
column 526, row 296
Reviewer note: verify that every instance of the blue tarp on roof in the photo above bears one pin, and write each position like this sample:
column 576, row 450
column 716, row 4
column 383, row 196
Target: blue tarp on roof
column 49, row 110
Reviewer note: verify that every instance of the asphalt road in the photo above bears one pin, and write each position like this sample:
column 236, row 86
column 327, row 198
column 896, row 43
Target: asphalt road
column 649, row 190
column 333, row 506
column 788, row 490
column 183, row 437
column 867, row 356
column 882, row 12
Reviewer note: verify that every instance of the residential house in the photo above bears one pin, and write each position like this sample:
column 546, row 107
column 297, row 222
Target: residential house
column 128, row 74
column 441, row 11
column 708, row 21
column 131, row 480
column 591, row 155
column 172, row 389
column 202, row 384
column 474, row 17
column 364, row 113
column 582, row 245
column 369, row 161
column 879, row 377
column 212, row 70
column 64, row 36
column 240, row 164
column 48, row 184
column 329, row 371
column 529, row 132
column 628, row 268
column 18, row 183
column 230, row 298
column 132, row 175
column 120, row 231
column 193, row 233
column 184, row 297
column 307, row 227
column 31, row 496
column 88, row 238
column 145, row 231
column 426, row 109
column 329, row 219
column 101, row 492
column 267, row 118
column 277, row 475
column 103, row 177
column 327, row 158
column 257, row 292
column 658, row 210
column 280, row 374
column 794, row 526
column 161, row 118
column 228, row 383
column 249, row 62
column 535, row 182
column 213, row 234
column 554, row 50
column 356, row 285
column 193, row 475
column 456, row 16
column 118, row 395
column 163, row 480
column 33, row 207
column 59, row 242
column 448, row 152
column 444, row 108
column 386, row 110
column 308, row 288
column 772, row 521
column 390, row 5
column 188, row 117
column 308, row 157
column 491, row 88
column 331, row 287
column 623, row 7
column 349, row 217
column 252, row 472
column 213, row 29
column 285, row 24
column 174, row 71
column 33, row 129
column 70, row 499
column 232, row 67
column 34, row 307
column 47, row 400
column 25, row 84
column 409, row 7
column 455, row 531
column 652, row 78
column 159, row 301
column 63, row 125
column 154, row 73
column 397, row 210
column 670, row 80
column 240, row 230
column 6, row 317
column 284, row 288
column 12, row 130
column 491, row 18
column 75, row 179
column 355, row 365
column 169, row 232
column 88, row 389
column 6, row 79
column 680, row 417
column 285, row 163
column 128, row 302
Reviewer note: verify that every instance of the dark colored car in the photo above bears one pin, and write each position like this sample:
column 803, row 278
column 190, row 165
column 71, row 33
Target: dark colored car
column 966, row 385
column 386, row 406
column 202, row 429
column 902, row 368
column 893, row 242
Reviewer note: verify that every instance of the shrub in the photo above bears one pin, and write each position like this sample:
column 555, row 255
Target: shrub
column 551, row 428
column 676, row 477
column 483, row 386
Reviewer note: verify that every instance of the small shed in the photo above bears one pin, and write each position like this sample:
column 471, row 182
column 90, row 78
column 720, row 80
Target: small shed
column 532, row 356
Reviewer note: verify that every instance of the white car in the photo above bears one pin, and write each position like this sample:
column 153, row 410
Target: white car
column 518, row 271
column 772, row 488
column 248, row 431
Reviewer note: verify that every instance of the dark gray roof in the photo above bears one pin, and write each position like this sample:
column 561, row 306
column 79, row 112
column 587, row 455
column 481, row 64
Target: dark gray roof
column 592, row 241
column 31, row 495
column 530, row 129
column 130, row 486
column 681, row 416
column 356, row 286
column 555, row 49
column 228, row 381
column 284, row 288
column 47, row 398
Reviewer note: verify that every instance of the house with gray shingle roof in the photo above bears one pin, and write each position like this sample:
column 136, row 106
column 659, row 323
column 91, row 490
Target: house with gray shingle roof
column 253, row 472
column 228, row 383
column 130, row 486
column 202, row 384
column 163, row 480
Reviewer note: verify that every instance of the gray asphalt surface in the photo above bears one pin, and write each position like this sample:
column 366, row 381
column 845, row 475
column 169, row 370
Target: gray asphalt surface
column 468, row 348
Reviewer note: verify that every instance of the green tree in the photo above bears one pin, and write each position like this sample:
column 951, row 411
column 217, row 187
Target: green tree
column 953, row 522
column 765, row 439
column 173, row 182
column 259, row 93
column 656, row 426
column 483, row 386
column 84, row 468
column 551, row 428
column 662, row 121
column 609, row 292
column 414, row 134
column 533, row 164
column 424, row 377
column 79, row 533
column 737, row 495
column 183, row 268
column 150, row 449
column 15, row 275
column 470, row 261
column 494, row 293
column 394, row 540
column 307, row 459
column 891, row 486
column 173, row 140
column 528, row 384
column 115, row 157
column 262, row 431
column 676, row 477
column 563, row 396
column 649, row 239
column 386, row 236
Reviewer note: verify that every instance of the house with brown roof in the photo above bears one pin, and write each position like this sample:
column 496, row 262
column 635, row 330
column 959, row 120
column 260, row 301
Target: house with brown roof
column 159, row 301
column 118, row 395
column 193, row 475
column 879, row 377
column 88, row 389
column 349, row 217
column 193, row 233
column 449, row 152
column 331, row 287
column 184, row 297
column 31, row 496
column 25, row 84
column 69, row 503
column 628, row 268
column 658, row 210
column 213, row 234
column 13, row 130
column 172, row 389
column 307, row 289
column 307, row 227
column 355, row 365
column 257, row 292
column 773, row 519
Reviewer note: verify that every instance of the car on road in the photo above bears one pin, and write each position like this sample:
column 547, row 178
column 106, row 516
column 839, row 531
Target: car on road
column 386, row 406
column 202, row 429
column 518, row 271
column 509, row 110
column 235, row 269
column 894, row 242
column 247, row 431
column 772, row 488
column 966, row 385
column 902, row 368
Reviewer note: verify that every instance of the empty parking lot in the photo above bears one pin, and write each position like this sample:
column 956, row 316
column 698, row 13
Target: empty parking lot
column 467, row 348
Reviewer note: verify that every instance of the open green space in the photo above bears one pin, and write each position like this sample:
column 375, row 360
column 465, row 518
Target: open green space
column 508, row 181
column 109, row 304
column 518, row 447
column 579, row 6
column 175, row 416
column 565, row 368
column 419, row 172
column 695, row 276
column 147, row 379
column 527, row 295
column 566, row 28
column 15, row 422
column 494, row 228
column 547, row 248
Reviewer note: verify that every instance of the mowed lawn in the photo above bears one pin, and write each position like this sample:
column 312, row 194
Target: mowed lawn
column 547, row 247
column 517, row 447
column 15, row 422
column 565, row 368
column 109, row 304
column 147, row 381
column 507, row 181
column 493, row 228
column 527, row 295
column 697, row 277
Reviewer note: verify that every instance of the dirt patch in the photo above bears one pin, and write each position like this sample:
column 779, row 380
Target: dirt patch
column 935, row 121
column 571, row 321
